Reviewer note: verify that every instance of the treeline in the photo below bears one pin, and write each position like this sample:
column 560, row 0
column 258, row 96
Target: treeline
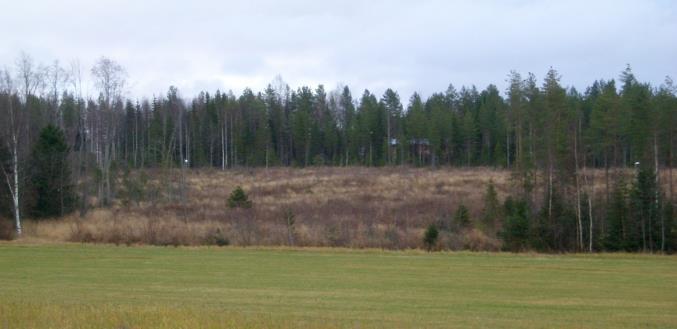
column 547, row 134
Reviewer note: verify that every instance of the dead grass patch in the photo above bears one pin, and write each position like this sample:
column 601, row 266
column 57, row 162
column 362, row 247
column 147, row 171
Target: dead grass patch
column 333, row 206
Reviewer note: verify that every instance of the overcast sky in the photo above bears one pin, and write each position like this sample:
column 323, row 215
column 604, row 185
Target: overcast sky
column 405, row 45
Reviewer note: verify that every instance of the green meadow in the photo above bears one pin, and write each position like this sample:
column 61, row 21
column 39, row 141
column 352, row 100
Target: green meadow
column 100, row 286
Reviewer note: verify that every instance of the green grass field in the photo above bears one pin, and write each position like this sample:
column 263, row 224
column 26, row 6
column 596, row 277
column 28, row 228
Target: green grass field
column 93, row 286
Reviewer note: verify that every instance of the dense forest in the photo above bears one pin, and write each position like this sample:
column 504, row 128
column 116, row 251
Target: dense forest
column 58, row 146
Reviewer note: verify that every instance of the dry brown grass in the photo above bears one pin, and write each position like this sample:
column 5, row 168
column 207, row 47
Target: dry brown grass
column 348, row 207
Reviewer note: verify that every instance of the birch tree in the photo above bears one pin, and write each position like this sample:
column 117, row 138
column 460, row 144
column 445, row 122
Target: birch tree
column 12, row 132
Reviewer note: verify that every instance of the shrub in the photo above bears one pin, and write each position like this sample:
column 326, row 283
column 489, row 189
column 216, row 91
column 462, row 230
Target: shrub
column 290, row 222
column 392, row 237
column 476, row 240
column 133, row 188
column 445, row 223
column 217, row 237
column 80, row 233
column 6, row 229
column 238, row 199
column 430, row 237
column 318, row 160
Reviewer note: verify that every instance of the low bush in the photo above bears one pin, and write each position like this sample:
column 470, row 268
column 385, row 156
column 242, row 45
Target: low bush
column 216, row 237
column 7, row 231
column 476, row 240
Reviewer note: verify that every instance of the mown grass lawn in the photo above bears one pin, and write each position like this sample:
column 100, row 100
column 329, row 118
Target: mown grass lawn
column 96, row 286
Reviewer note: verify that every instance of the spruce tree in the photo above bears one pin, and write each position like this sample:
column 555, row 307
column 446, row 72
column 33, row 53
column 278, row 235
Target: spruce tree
column 462, row 216
column 430, row 237
column 645, row 209
column 239, row 199
column 491, row 211
column 617, row 220
column 50, row 174
column 516, row 229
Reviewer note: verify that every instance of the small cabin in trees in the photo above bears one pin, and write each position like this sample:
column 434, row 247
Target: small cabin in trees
column 420, row 147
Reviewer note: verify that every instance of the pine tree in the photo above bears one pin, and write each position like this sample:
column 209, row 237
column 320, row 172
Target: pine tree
column 416, row 123
column 490, row 127
column 469, row 108
column 440, row 134
column 392, row 106
column 636, row 103
column 346, row 124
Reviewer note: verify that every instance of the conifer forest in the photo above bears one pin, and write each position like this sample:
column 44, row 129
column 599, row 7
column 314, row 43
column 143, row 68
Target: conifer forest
column 64, row 153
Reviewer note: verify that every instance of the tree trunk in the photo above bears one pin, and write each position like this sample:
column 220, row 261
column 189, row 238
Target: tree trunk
column 657, row 173
column 590, row 218
column 226, row 139
column 590, row 190
column 136, row 135
column 578, row 195
column 507, row 148
column 550, row 191
column 15, row 191
column 643, row 223
column 187, row 144
column 223, row 146
column 672, row 191
column 182, row 158
column 388, row 143
column 606, row 177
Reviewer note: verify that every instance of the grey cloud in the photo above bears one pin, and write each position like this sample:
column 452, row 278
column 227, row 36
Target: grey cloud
column 407, row 45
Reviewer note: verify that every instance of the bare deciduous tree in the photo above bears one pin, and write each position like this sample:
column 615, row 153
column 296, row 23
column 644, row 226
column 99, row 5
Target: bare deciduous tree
column 57, row 77
column 30, row 76
column 109, row 78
